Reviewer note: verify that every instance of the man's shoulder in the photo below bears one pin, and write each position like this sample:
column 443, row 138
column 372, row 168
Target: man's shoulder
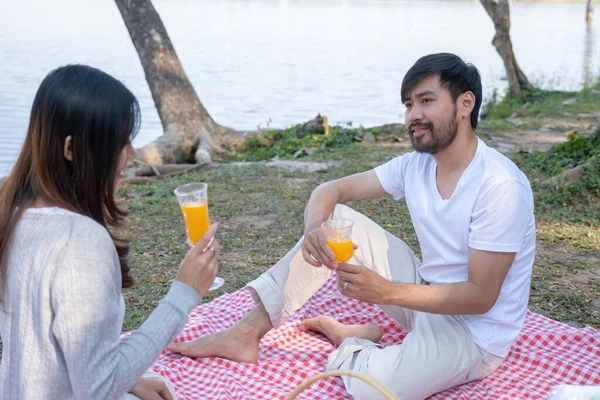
column 413, row 160
column 498, row 168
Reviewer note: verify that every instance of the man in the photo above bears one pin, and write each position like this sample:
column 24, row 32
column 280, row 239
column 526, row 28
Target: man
column 465, row 304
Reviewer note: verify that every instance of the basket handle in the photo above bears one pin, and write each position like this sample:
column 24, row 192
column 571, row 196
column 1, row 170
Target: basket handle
column 387, row 393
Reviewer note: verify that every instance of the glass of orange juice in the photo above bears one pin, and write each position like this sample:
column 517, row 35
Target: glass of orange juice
column 193, row 201
column 339, row 238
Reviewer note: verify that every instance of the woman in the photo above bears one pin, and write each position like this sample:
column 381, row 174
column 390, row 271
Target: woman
column 62, row 266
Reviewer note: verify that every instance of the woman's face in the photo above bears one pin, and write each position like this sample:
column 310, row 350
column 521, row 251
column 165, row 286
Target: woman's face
column 127, row 154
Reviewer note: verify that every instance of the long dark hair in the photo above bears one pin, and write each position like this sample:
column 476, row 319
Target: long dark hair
column 102, row 116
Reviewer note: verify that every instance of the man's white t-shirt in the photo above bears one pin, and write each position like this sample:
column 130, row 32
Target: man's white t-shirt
column 490, row 209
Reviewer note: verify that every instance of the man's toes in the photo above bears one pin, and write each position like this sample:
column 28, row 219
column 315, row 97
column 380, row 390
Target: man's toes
column 311, row 324
column 316, row 324
column 178, row 347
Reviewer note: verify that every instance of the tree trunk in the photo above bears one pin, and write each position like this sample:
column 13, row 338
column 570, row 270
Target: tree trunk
column 589, row 12
column 499, row 11
column 190, row 133
column 588, row 55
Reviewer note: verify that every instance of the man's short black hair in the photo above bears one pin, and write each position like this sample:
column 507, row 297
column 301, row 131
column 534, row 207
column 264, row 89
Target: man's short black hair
column 455, row 75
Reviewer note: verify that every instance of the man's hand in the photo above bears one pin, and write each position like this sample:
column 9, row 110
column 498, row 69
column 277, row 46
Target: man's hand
column 152, row 389
column 362, row 283
column 316, row 251
column 364, row 185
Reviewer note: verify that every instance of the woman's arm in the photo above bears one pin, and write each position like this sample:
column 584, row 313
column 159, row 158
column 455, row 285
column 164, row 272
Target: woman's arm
column 86, row 296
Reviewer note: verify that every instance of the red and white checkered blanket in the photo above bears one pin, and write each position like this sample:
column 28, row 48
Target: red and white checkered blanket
column 547, row 353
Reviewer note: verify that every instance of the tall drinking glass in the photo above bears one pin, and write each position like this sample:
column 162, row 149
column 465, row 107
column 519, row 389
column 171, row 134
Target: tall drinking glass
column 338, row 232
column 193, row 201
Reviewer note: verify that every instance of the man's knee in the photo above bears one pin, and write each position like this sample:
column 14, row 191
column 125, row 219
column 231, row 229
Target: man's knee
column 342, row 211
column 408, row 377
column 401, row 386
column 361, row 390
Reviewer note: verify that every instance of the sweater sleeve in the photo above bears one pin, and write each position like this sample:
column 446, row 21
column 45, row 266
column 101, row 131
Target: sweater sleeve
column 86, row 296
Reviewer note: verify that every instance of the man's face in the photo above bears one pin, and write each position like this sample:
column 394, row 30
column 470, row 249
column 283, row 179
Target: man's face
column 431, row 116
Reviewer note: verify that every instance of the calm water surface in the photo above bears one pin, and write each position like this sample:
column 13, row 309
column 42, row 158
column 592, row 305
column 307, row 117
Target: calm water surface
column 281, row 62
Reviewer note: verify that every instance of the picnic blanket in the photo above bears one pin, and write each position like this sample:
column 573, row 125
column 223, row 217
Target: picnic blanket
column 546, row 354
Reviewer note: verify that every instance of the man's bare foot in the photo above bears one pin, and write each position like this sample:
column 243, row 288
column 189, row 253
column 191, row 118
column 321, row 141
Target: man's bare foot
column 238, row 343
column 338, row 332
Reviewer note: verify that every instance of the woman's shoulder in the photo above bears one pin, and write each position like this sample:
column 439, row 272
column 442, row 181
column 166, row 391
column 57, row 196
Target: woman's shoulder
column 89, row 235
column 79, row 230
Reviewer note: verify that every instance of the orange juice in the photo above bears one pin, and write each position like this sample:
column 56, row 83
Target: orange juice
column 342, row 250
column 196, row 220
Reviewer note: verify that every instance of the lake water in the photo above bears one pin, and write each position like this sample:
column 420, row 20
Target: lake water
column 280, row 62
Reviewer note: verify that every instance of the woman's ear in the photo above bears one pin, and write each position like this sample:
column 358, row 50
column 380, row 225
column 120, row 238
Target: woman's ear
column 67, row 149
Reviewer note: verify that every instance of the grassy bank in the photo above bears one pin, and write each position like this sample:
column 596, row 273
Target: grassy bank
column 544, row 110
column 260, row 211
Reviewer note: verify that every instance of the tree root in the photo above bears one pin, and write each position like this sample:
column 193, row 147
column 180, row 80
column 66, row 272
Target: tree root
column 149, row 173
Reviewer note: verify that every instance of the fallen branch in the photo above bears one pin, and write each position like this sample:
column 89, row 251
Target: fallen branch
column 137, row 180
column 165, row 170
column 155, row 170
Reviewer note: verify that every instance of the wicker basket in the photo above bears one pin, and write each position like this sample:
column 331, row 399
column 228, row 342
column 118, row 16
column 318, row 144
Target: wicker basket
column 387, row 393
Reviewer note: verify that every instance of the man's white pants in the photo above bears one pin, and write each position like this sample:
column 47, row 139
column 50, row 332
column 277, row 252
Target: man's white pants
column 438, row 352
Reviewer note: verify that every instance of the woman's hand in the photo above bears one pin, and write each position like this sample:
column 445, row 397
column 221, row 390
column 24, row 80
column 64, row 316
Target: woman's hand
column 152, row 389
column 199, row 267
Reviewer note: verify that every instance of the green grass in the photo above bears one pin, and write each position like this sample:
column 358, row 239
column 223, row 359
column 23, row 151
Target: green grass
column 538, row 108
column 543, row 166
column 572, row 229
column 566, row 306
column 575, row 151
column 566, row 288
column 544, row 103
column 286, row 143
column 496, row 124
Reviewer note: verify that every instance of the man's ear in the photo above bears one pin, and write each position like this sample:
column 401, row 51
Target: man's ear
column 466, row 104
column 67, row 149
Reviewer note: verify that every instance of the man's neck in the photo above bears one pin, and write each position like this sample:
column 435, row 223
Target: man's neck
column 459, row 154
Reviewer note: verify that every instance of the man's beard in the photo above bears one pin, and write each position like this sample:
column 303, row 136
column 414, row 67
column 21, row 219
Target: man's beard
column 439, row 139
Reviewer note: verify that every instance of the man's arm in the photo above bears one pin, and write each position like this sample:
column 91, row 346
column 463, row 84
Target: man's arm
column 364, row 185
column 323, row 199
column 477, row 295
